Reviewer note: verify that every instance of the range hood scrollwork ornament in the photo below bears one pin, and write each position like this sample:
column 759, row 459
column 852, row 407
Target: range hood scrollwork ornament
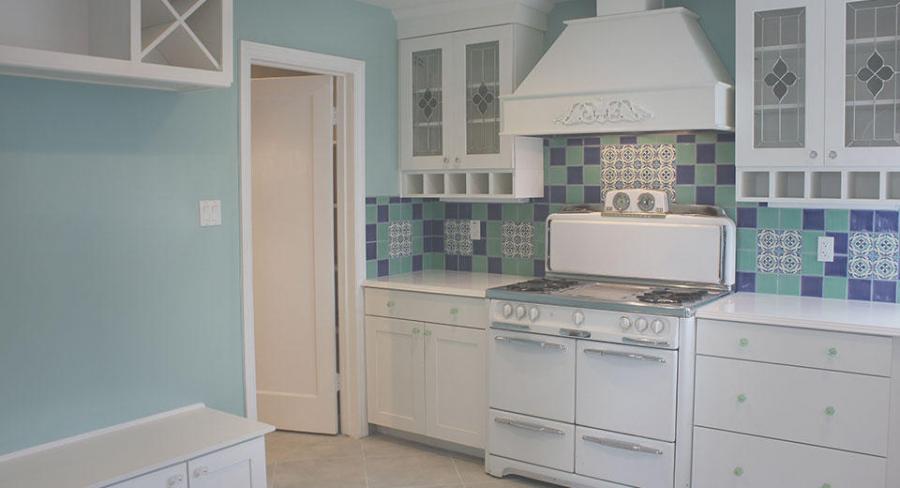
column 601, row 112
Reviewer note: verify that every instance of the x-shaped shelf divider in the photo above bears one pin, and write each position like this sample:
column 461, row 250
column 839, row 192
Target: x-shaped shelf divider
column 180, row 10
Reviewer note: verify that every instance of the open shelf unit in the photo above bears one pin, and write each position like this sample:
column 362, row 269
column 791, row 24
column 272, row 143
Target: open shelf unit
column 472, row 185
column 162, row 44
column 822, row 187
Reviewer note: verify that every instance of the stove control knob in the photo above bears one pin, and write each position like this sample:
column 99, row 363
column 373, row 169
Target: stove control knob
column 658, row 326
column 520, row 312
column 507, row 310
column 624, row 323
column 534, row 313
column 578, row 317
column 640, row 324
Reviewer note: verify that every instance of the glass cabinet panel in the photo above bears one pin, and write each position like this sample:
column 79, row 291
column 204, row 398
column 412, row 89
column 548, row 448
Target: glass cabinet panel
column 482, row 102
column 779, row 81
column 427, row 107
column 873, row 57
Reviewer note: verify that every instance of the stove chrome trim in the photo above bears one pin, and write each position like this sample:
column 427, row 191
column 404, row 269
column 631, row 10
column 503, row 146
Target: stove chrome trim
column 530, row 342
column 509, row 326
column 617, row 444
column 626, row 355
column 645, row 342
column 528, row 426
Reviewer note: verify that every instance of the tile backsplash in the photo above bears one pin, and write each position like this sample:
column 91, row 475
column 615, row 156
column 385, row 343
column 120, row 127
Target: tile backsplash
column 776, row 247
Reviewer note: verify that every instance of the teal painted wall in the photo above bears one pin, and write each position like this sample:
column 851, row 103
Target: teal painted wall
column 572, row 9
column 114, row 304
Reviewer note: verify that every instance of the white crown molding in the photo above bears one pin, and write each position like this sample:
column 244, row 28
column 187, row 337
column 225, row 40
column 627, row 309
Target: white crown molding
column 417, row 18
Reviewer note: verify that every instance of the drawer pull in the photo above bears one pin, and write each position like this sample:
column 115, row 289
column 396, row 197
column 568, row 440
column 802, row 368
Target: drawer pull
column 626, row 355
column 742, row 398
column 744, row 342
column 174, row 481
column 201, row 471
column 830, row 411
column 528, row 426
column 390, row 304
column 541, row 344
column 738, row 471
column 617, row 444
column 832, row 352
column 644, row 341
column 454, row 311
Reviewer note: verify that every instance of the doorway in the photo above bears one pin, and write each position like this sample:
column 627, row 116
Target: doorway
column 302, row 212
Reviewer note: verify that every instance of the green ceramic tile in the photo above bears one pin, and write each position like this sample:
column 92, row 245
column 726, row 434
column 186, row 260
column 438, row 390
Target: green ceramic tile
column 746, row 238
column 509, row 266
column 395, row 212
column 834, row 287
column 766, row 283
column 494, row 247
column 746, row 260
column 789, row 285
column 382, row 232
column 556, row 175
column 371, row 269
column 791, row 218
column 479, row 264
column 812, row 266
column 574, row 194
column 406, row 211
column 418, row 245
column 725, row 196
column 685, row 193
column 593, row 175
column 705, row 174
column 574, row 155
column 767, row 218
column 418, row 228
column 609, row 139
column 731, row 212
column 686, row 154
column 811, row 241
column 557, row 142
column 725, row 153
column 706, row 137
column 371, row 214
column 382, row 200
column 656, row 139
column 526, row 213
column 837, row 220
column 493, row 229
column 479, row 211
column 510, row 211
column 382, row 249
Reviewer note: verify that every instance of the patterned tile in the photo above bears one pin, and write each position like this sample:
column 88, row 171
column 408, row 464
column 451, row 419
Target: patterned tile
column 517, row 240
column 458, row 238
column 400, row 233
column 779, row 251
column 873, row 255
column 650, row 166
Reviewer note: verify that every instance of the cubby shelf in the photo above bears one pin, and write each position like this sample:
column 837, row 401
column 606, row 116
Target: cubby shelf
column 825, row 187
column 162, row 44
column 472, row 185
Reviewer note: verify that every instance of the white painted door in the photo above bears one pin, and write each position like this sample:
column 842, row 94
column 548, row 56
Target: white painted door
column 395, row 373
column 780, row 57
column 425, row 78
column 863, row 91
column 293, row 253
column 241, row 466
column 455, row 384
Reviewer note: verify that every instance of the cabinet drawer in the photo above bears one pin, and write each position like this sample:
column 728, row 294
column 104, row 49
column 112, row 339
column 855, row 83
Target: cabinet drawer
column 532, row 440
column 824, row 408
column 836, row 351
column 427, row 307
column 632, row 461
column 171, row 477
column 726, row 460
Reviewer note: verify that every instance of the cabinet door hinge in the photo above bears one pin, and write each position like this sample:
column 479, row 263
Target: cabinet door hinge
column 334, row 116
column 337, row 381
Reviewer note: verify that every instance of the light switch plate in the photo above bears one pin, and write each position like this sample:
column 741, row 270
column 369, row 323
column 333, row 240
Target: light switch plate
column 475, row 230
column 826, row 249
column 210, row 213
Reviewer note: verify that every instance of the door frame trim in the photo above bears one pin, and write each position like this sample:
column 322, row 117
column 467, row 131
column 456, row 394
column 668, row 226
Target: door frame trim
column 350, row 165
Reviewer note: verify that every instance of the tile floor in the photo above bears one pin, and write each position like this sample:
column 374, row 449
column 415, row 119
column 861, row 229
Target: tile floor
column 317, row 461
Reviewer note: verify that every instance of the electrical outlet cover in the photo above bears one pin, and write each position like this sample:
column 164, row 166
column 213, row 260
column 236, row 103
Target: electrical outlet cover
column 475, row 230
column 826, row 249
column 210, row 213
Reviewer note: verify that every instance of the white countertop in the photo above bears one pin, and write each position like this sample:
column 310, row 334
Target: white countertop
column 459, row 283
column 807, row 312
column 118, row 454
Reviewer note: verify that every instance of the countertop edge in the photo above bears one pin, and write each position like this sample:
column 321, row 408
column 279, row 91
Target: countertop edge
column 778, row 321
column 421, row 288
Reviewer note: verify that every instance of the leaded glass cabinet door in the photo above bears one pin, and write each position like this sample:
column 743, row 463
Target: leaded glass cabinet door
column 483, row 71
column 863, row 92
column 425, row 110
column 780, row 85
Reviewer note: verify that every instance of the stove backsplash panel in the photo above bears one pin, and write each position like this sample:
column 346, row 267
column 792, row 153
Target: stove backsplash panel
column 776, row 247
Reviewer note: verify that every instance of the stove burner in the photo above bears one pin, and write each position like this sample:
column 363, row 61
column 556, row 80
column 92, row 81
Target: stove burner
column 542, row 285
column 668, row 296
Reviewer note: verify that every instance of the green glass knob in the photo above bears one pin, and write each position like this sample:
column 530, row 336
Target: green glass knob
column 744, row 342
column 427, row 332
column 454, row 310
column 826, row 485
column 738, row 471
column 390, row 304
column 741, row 398
column 416, row 331
column 832, row 352
column 830, row 411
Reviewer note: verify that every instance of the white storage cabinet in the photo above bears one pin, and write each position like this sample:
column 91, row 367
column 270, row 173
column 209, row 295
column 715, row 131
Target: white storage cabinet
column 425, row 364
column 450, row 142
column 815, row 128
column 163, row 44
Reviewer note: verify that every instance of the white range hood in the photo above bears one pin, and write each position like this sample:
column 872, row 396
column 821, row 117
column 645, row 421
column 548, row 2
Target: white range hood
column 645, row 71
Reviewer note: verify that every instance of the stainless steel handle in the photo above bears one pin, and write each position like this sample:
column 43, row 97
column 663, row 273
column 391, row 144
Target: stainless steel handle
column 617, row 444
column 645, row 342
column 201, row 471
column 528, row 426
column 509, row 326
column 626, row 355
column 541, row 344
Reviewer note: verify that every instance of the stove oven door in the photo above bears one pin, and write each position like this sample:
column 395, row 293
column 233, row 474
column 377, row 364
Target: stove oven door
column 627, row 389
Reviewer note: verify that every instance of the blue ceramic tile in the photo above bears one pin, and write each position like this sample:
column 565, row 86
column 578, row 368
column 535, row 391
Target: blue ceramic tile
column 725, row 174
column 383, row 267
column 558, row 194
column 706, row 153
column 885, row 221
column 394, row 200
column 884, row 291
column 746, row 217
column 495, row 211
column 370, row 232
column 592, row 155
column 557, row 156
column 746, row 282
column 593, row 194
column 371, row 251
column 574, row 141
column 437, row 228
column 465, row 211
column 417, row 262
column 428, row 245
column 495, row 265
column 479, row 247
column 383, row 214
column 859, row 290
column 705, row 195
column 838, row 267
column 811, row 286
column 465, row 263
column 417, row 211
column 628, row 140
column 438, row 244
column 840, row 242
column 451, row 262
column 575, row 175
column 725, row 137
column 686, row 138
column 684, row 175
column 813, row 219
column 591, row 141
column 451, row 211
column 539, row 267
column 861, row 220
column 370, row 200
column 541, row 211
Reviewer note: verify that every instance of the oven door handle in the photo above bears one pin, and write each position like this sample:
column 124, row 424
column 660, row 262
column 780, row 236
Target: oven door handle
column 645, row 342
column 530, row 342
column 626, row 355
column 626, row 446
column 528, row 426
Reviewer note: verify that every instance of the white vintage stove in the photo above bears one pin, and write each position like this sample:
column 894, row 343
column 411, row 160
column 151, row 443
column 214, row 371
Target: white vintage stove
column 591, row 369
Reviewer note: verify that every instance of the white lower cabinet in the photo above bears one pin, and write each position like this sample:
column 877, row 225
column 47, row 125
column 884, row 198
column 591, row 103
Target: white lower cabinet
column 629, row 460
column 728, row 460
column 422, row 377
column 242, row 466
column 171, row 477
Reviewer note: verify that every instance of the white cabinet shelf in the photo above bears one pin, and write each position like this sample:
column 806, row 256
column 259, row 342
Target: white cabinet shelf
column 162, row 44
column 820, row 187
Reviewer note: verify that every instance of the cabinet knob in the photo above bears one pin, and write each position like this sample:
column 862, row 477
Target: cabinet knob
column 454, row 311
column 390, row 304
column 832, row 154
column 813, row 155
column 427, row 332
column 174, row 481
column 446, row 160
column 832, row 352
column 457, row 161
column 201, row 471
column 744, row 342
column 738, row 471
column 830, row 411
column 742, row 398
column 416, row 331
column 826, row 485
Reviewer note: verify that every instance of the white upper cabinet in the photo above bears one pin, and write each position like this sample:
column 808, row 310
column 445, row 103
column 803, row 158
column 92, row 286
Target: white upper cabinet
column 818, row 102
column 162, row 44
column 426, row 65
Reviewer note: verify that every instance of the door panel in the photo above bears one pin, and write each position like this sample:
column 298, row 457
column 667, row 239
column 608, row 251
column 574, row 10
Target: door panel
column 293, row 253
column 425, row 128
column 395, row 373
column 241, row 466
